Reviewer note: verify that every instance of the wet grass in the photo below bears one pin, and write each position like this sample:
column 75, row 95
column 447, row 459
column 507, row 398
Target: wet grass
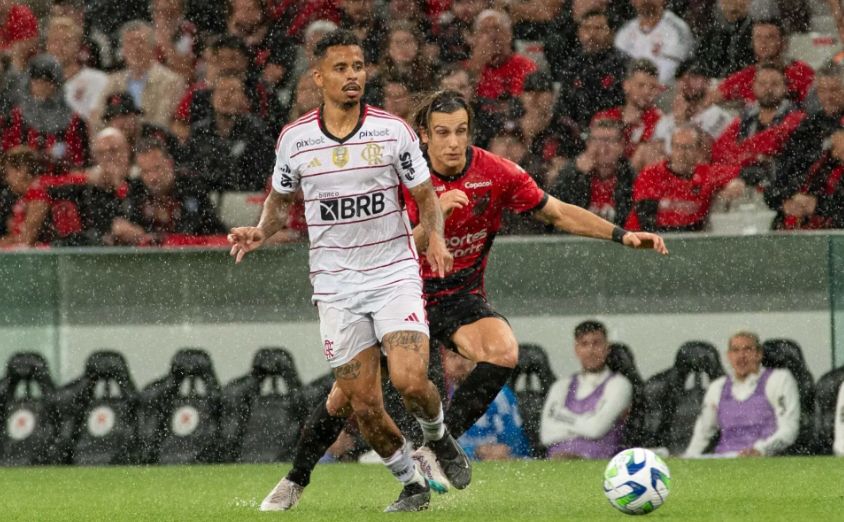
column 788, row 489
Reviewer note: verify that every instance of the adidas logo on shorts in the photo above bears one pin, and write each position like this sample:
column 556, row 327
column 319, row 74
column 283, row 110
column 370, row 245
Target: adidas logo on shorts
column 413, row 318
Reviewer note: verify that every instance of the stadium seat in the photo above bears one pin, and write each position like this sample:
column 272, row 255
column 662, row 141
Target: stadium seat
column 530, row 381
column 29, row 420
column 621, row 360
column 826, row 398
column 672, row 398
column 99, row 413
column 263, row 410
column 241, row 209
column 179, row 418
column 785, row 353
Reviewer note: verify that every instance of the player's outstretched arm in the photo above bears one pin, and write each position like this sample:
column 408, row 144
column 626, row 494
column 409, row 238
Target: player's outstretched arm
column 273, row 219
column 431, row 219
column 581, row 222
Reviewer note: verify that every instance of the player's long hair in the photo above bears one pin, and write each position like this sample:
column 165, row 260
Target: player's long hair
column 447, row 101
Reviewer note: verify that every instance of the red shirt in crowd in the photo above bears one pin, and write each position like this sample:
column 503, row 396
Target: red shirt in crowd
column 640, row 132
column 728, row 150
column 682, row 203
column 739, row 86
column 68, row 147
column 819, row 187
column 602, row 197
column 20, row 25
column 491, row 184
column 509, row 77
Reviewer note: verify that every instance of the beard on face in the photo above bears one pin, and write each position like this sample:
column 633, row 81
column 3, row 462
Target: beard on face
column 769, row 103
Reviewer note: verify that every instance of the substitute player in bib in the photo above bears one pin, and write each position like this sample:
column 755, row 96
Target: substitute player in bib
column 351, row 161
column 475, row 187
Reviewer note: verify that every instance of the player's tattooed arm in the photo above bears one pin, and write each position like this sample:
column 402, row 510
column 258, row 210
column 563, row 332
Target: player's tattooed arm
column 275, row 212
column 431, row 219
column 581, row 222
column 349, row 371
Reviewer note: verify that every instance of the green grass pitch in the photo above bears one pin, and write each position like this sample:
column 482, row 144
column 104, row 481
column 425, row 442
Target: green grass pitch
column 787, row 489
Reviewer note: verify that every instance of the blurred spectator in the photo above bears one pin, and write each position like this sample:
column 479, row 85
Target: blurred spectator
column 532, row 19
column 658, row 35
column 163, row 201
column 232, row 149
column 175, row 37
column 455, row 29
column 807, row 146
column 307, row 98
column 404, row 54
column 121, row 113
column 84, row 207
column 18, row 34
column 229, row 57
column 763, row 128
column 552, row 143
column 23, row 205
column 675, row 195
column 769, row 45
column 454, row 77
column 44, row 121
column 690, row 106
column 108, row 16
column 727, row 47
column 154, row 88
column 591, row 79
column 639, row 114
column 313, row 33
column 96, row 50
column 361, row 17
column 583, row 415
column 601, row 178
column 498, row 435
column 397, row 96
column 413, row 11
column 272, row 52
column 756, row 410
column 510, row 144
column 83, row 86
column 501, row 72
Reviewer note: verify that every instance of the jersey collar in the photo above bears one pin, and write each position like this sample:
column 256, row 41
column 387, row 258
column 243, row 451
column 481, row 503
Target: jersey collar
column 469, row 155
column 363, row 110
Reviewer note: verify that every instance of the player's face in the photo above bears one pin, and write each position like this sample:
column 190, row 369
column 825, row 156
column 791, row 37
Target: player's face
column 447, row 139
column 641, row 90
column 342, row 75
column 769, row 88
column 744, row 356
column 767, row 42
column 592, row 350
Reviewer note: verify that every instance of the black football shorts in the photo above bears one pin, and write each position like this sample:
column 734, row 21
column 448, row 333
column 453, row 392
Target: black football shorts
column 450, row 313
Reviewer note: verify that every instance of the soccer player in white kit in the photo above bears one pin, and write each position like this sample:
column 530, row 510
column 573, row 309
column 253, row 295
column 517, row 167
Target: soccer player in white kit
column 351, row 161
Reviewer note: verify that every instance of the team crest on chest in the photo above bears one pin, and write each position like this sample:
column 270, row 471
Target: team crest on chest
column 340, row 156
column 372, row 154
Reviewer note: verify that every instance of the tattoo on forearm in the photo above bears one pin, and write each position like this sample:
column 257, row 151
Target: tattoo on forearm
column 349, row 371
column 410, row 341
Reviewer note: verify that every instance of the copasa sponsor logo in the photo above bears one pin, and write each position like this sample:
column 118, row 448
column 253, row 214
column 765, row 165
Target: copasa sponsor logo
column 466, row 245
column 480, row 184
column 373, row 133
column 309, row 142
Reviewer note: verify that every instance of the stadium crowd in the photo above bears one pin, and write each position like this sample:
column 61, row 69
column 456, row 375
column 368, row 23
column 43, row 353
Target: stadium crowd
column 127, row 123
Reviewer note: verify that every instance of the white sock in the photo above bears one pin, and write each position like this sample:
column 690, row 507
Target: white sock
column 402, row 465
column 433, row 429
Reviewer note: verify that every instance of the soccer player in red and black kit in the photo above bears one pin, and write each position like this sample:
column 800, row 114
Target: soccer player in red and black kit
column 475, row 186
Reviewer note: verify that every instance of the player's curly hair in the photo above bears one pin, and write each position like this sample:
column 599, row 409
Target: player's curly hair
column 335, row 38
column 447, row 101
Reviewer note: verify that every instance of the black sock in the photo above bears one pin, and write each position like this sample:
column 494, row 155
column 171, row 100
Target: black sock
column 474, row 396
column 320, row 432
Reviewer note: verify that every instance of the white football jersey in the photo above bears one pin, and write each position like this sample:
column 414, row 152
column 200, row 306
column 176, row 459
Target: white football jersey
column 360, row 236
column 666, row 45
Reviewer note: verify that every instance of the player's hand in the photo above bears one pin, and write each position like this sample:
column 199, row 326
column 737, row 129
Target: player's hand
column 438, row 256
column 245, row 240
column 734, row 190
column 645, row 241
column 451, row 200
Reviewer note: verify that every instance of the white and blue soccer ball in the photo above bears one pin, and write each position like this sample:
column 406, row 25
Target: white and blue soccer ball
column 637, row 481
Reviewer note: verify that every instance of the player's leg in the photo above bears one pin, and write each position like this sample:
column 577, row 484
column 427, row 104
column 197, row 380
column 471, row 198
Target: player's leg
column 407, row 347
column 490, row 343
column 320, row 431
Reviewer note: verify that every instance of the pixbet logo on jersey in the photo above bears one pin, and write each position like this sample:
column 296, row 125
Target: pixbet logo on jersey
column 467, row 245
column 352, row 207
column 373, row 134
column 309, row 142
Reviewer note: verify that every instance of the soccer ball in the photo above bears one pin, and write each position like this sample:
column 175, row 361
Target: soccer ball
column 637, row 481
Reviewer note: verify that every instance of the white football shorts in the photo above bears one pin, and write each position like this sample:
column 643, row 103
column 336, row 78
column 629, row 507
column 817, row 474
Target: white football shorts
column 349, row 326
